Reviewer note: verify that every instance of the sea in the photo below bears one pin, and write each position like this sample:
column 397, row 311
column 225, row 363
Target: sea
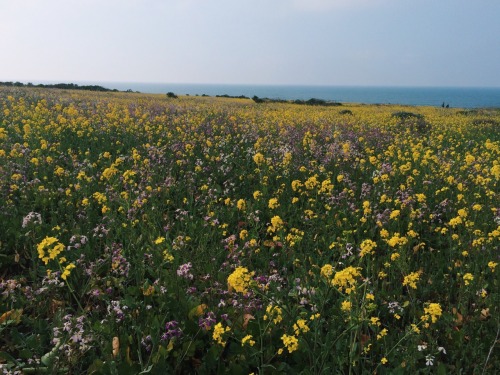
column 457, row 97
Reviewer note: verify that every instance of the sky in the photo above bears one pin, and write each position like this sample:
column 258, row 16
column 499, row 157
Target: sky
column 295, row 42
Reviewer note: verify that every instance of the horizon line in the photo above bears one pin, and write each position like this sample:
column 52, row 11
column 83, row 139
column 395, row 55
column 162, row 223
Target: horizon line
column 42, row 81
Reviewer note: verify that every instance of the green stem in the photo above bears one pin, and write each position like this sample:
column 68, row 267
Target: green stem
column 70, row 288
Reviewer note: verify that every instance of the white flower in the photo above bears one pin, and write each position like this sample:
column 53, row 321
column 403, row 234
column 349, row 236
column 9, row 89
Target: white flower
column 421, row 347
column 441, row 349
column 429, row 360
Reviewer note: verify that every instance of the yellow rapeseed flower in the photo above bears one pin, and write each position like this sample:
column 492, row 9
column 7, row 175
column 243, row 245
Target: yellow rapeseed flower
column 468, row 277
column 433, row 311
column 411, row 279
column 290, row 342
column 218, row 333
column 273, row 203
column 273, row 313
column 67, row 271
column 247, row 339
column 492, row 265
column 49, row 249
column 346, row 279
column 241, row 204
column 367, row 247
column 240, row 279
column 327, row 271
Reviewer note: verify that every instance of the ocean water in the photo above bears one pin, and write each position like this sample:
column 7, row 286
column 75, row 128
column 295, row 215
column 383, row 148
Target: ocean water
column 458, row 97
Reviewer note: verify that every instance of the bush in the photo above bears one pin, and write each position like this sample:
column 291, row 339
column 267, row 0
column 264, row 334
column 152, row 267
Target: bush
column 414, row 121
column 345, row 112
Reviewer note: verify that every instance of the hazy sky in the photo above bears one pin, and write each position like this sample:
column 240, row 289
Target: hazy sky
column 325, row 42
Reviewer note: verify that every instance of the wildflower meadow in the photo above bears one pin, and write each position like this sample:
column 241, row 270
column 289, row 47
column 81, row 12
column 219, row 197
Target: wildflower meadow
column 199, row 235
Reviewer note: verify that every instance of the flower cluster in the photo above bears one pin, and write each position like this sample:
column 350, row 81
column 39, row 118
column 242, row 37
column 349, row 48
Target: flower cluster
column 240, row 280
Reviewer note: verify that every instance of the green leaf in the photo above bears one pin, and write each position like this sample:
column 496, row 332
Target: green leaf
column 441, row 369
column 25, row 354
column 48, row 358
column 7, row 357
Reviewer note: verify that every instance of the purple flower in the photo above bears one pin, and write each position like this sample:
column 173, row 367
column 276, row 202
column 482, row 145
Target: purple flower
column 32, row 217
column 184, row 271
column 171, row 330
column 207, row 321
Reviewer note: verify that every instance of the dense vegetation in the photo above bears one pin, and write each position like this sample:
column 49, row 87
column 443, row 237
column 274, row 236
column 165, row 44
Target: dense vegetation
column 209, row 235
column 65, row 86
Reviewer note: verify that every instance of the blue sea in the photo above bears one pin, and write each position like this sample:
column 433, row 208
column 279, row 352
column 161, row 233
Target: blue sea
column 461, row 97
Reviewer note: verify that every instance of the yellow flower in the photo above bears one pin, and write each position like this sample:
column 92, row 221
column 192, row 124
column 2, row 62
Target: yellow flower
column 327, row 271
column 258, row 158
column 247, row 339
column 276, row 224
column 382, row 334
column 346, row 306
column 455, row 221
column 243, row 234
column 420, row 197
column 366, row 208
column 49, row 248
column 218, row 333
column 396, row 240
column 469, row 159
column 433, row 311
column 311, row 182
column 367, row 247
column 241, row 204
column 394, row 214
column 59, row 171
column 257, row 194
column 109, row 173
column 492, row 265
column 273, row 313
column 67, row 271
column 159, row 240
column 300, row 327
column 240, row 279
column 345, row 279
column 290, row 342
column 468, row 277
column 384, row 361
column 411, row 279
column 314, row 316
column 296, row 184
column 273, row 203
column 167, row 256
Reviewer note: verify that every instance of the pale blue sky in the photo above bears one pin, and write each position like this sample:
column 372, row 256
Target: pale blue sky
column 317, row 42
